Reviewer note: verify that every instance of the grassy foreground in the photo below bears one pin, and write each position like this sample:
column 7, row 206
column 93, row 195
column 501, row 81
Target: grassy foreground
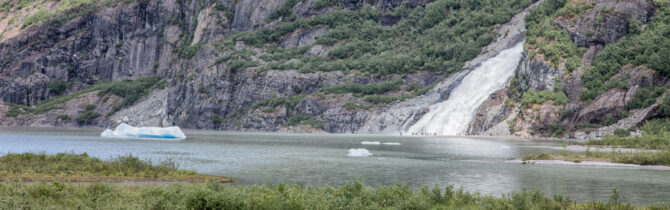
column 57, row 195
column 82, row 168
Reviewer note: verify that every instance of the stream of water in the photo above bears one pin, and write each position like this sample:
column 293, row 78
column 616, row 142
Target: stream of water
column 453, row 116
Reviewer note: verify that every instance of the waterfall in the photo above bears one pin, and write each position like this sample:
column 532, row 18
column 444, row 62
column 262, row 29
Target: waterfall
column 453, row 116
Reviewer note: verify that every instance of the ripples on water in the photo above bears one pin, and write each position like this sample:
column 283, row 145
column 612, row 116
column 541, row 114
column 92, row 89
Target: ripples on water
column 258, row 158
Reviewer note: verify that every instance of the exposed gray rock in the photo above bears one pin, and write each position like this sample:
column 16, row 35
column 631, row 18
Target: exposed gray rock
column 150, row 111
column 536, row 74
column 251, row 13
column 607, row 21
column 302, row 37
column 491, row 113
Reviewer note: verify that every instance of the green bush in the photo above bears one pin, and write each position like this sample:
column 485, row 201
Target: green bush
column 87, row 117
column 90, row 107
column 217, row 119
column 532, row 97
column 14, row 112
column 304, row 119
column 645, row 97
column 285, row 10
column 57, row 87
column 378, row 99
column 363, row 90
column 664, row 110
column 657, row 127
column 131, row 91
column 621, row 133
column 39, row 17
column 288, row 102
column 187, row 51
column 63, row 117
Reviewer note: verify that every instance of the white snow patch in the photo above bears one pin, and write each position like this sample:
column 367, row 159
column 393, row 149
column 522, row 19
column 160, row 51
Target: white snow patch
column 371, row 143
column 127, row 131
column 392, row 143
column 359, row 153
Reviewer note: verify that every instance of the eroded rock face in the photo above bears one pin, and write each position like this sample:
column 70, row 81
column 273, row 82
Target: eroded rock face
column 536, row 74
column 251, row 13
column 301, row 38
column 607, row 21
column 493, row 111
column 64, row 115
column 615, row 100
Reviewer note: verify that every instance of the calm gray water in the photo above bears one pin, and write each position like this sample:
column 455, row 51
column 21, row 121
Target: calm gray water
column 315, row 159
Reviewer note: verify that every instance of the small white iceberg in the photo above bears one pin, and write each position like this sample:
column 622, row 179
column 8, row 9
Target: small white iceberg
column 127, row 131
column 392, row 143
column 371, row 143
column 359, row 153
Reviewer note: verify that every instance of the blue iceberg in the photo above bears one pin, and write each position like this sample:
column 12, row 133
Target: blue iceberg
column 127, row 131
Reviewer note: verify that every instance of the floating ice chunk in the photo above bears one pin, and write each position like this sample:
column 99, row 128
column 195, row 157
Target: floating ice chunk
column 392, row 143
column 359, row 153
column 127, row 131
column 371, row 143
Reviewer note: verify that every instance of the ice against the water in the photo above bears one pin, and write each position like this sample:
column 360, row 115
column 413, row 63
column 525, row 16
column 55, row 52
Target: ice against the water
column 127, row 131
column 359, row 153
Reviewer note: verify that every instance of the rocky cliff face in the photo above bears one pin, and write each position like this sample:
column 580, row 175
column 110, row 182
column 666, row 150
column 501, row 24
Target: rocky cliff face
column 126, row 40
column 602, row 23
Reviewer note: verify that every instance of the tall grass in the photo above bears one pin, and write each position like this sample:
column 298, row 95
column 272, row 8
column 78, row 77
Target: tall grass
column 353, row 195
column 81, row 167
column 656, row 135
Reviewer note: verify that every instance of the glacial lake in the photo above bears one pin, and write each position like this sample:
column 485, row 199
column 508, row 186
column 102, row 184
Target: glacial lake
column 316, row 159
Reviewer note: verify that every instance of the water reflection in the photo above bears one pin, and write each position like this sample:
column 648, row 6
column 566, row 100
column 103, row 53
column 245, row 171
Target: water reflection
column 316, row 159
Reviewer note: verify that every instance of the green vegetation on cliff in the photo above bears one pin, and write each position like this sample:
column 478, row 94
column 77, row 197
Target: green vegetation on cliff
column 129, row 90
column 544, row 37
column 649, row 46
column 440, row 37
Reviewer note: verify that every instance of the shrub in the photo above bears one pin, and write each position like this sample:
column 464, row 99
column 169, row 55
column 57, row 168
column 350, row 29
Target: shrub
column 13, row 112
column 288, row 102
column 304, row 119
column 363, row 90
column 57, row 87
column 63, row 117
column 664, row 110
column 378, row 99
column 39, row 17
column 645, row 97
column 90, row 107
column 532, row 97
column 131, row 91
column 217, row 119
column 621, row 133
column 285, row 10
column 87, row 117
column 187, row 51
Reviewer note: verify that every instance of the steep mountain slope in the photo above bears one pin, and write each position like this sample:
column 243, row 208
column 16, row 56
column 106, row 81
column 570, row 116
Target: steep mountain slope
column 245, row 65
column 591, row 68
